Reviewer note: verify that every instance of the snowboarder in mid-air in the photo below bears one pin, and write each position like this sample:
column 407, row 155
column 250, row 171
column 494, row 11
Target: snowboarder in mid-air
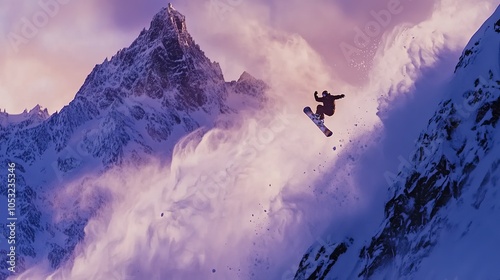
column 328, row 107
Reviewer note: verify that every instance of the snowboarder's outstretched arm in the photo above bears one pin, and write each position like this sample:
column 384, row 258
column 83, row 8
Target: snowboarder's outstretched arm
column 338, row 96
column 318, row 99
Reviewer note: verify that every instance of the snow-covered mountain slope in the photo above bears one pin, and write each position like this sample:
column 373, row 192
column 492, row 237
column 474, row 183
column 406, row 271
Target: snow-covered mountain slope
column 131, row 108
column 442, row 220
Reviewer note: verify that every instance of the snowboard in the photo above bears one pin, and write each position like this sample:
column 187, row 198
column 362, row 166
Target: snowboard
column 319, row 123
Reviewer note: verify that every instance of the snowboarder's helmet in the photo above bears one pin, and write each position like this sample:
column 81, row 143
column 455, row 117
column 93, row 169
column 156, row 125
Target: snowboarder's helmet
column 325, row 93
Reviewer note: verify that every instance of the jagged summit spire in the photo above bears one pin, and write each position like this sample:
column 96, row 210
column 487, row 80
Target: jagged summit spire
column 178, row 20
column 164, row 58
column 169, row 19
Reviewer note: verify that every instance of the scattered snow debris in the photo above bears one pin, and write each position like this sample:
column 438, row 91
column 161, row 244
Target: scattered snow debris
column 450, row 185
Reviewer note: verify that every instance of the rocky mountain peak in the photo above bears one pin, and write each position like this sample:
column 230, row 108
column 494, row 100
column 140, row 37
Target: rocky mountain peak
column 39, row 111
column 163, row 63
column 169, row 22
column 245, row 76
column 36, row 115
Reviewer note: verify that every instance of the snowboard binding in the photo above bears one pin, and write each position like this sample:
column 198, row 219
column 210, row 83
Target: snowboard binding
column 317, row 118
column 317, row 121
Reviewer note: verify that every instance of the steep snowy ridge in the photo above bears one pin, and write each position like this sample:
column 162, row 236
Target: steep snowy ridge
column 130, row 108
column 445, row 195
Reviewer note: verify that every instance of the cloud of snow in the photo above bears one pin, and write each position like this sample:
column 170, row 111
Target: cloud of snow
column 228, row 207
column 236, row 201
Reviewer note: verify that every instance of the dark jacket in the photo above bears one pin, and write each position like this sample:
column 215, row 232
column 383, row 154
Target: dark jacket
column 328, row 101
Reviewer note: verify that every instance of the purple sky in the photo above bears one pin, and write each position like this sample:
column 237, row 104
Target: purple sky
column 48, row 64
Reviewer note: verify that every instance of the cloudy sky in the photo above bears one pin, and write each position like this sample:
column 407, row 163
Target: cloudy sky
column 49, row 46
